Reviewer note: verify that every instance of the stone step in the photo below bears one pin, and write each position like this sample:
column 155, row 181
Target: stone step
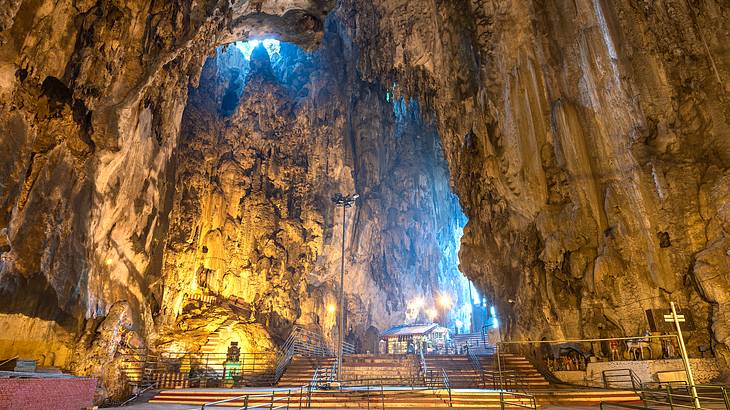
column 394, row 398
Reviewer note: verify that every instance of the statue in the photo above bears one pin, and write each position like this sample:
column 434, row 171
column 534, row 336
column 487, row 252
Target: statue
column 234, row 353
column 613, row 344
column 640, row 344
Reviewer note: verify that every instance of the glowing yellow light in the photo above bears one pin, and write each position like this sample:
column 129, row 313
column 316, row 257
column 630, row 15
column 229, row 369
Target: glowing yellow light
column 331, row 308
column 108, row 261
column 432, row 313
column 444, row 300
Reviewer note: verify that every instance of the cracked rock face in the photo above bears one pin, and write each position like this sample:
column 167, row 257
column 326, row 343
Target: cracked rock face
column 122, row 200
column 588, row 142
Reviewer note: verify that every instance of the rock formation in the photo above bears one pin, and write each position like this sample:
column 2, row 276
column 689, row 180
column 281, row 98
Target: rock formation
column 588, row 142
column 262, row 151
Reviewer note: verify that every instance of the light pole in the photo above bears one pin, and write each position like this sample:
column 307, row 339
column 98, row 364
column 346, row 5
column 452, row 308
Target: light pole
column 673, row 317
column 345, row 201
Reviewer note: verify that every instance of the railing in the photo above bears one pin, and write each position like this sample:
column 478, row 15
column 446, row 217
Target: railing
column 622, row 378
column 517, row 400
column 447, row 384
column 364, row 392
column 477, row 364
column 348, row 348
column 271, row 405
column 301, row 342
column 306, row 343
column 186, row 369
column 314, row 383
column 136, row 395
column 507, row 380
column 333, row 372
column 551, row 357
column 424, row 367
column 679, row 395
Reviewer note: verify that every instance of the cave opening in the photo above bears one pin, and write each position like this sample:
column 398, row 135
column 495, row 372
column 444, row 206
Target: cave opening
column 268, row 135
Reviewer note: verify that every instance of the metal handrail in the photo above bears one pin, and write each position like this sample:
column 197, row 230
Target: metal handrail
column 247, row 398
column 314, row 383
column 621, row 375
column 507, row 380
column 447, row 384
column 519, row 396
column 300, row 342
column 254, row 369
column 424, row 367
column 477, row 364
column 333, row 372
column 136, row 395
column 675, row 396
column 228, row 400
column 348, row 348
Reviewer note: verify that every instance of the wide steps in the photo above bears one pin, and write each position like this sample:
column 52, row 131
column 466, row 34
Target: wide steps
column 301, row 370
column 392, row 398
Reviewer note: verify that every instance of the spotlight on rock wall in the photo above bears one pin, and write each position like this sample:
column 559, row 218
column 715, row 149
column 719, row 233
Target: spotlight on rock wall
column 331, row 308
column 444, row 301
column 418, row 302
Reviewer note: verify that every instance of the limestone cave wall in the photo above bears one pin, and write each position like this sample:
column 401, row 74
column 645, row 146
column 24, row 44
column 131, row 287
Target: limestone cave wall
column 91, row 100
column 264, row 146
column 589, row 144
column 122, row 200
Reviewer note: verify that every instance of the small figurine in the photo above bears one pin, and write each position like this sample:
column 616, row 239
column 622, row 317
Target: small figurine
column 613, row 344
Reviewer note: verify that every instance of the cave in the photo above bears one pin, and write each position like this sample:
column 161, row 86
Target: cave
column 549, row 176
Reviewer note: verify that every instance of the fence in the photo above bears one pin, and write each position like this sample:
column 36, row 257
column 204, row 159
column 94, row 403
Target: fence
column 191, row 369
column 552, row 357
column 185, row 369
column 263, row 401
column 678, row 395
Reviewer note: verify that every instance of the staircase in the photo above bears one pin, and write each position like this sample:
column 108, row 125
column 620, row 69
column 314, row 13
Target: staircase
column 459, row 369
column 385, row 369
column 391, row 398
column 475, row 341
column 301, row 369
column 214, row 339
column 516, row 369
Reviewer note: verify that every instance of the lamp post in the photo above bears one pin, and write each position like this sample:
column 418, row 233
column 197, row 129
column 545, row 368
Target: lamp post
column 345, row 201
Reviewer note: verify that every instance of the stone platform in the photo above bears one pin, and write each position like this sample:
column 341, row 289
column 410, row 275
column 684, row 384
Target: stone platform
column 704, row 371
